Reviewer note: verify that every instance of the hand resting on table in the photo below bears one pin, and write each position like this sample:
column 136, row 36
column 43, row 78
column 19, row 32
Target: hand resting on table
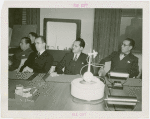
column 27, row 69
column 101, row 72
column 54, row 74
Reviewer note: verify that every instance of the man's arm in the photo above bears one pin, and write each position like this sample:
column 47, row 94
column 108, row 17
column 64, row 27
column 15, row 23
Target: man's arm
column 108, row 58
column 48, row 64
column 61, row 65
column 134, row 71
column 15, row 64
column 16, row 60
column 101, row 71
column 27, row 62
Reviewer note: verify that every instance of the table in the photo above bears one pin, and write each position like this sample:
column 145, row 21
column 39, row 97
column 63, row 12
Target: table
column 54, row 93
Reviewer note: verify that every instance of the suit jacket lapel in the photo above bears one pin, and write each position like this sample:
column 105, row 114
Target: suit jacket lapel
column 127, row 57
column 118, row 57
column 80, row 57
column 36, row 59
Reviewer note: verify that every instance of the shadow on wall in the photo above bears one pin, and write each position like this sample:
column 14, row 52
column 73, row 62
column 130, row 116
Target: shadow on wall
column 133, row 31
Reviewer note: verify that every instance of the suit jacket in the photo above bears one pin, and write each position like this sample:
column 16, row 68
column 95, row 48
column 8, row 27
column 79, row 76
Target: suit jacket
column 71, row 67
column 129, row 64
column 16, row 58
column 41, row 64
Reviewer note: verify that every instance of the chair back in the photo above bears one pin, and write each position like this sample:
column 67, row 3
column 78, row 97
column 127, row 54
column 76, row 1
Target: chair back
column 139, row 56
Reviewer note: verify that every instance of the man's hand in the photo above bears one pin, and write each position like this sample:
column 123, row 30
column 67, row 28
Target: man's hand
column 101, row 72
column 52, row 69
column 54, row 74
column 27, row 69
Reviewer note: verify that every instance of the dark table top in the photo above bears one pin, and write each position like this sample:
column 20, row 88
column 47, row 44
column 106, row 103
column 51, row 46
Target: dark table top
column 54, row 93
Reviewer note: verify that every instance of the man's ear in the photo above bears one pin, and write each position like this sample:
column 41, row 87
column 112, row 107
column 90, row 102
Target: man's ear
column 44, row 44
column 130, row 47
column 81, row 48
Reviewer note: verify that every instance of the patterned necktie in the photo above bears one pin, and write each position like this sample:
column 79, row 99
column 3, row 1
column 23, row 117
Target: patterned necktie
column 75, row 58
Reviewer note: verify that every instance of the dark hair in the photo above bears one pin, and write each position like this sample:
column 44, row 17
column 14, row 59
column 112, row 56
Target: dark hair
column 27, row 40
column 82, row 42
column 33, row 34
column 42, row 39
column 132, row 42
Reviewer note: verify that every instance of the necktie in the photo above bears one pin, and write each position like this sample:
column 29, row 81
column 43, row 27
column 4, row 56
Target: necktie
column 75, row 58
column 122, row 55
column 38, row 54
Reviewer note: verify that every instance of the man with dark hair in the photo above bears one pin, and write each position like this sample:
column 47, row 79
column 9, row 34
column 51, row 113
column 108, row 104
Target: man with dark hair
column 33, row 36
column 74, row 61
column 82, row 43
column 38, row 62
column 132, row 42
column 15, row 60
column 123, row 61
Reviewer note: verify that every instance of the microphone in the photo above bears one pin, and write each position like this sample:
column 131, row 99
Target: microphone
column 88, row 76
column 94, row 54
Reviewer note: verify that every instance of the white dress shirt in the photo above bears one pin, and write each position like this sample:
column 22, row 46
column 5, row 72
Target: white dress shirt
column 122, row 55
column 77, row 56
column 41, row 52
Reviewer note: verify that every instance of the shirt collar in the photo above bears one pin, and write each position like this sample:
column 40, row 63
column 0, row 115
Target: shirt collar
column 77, row 55
column 41, row 51
column 125, row 54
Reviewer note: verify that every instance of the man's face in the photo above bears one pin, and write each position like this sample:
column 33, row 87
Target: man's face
column 125, row 47
column 39, row 44
column 23, row 45
column 32, row 38
column 76, row 47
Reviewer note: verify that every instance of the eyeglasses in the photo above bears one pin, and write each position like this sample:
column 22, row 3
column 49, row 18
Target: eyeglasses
column 124, row 45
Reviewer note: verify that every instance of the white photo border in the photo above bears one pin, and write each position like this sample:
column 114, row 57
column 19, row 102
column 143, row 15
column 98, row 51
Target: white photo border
column 70, row 4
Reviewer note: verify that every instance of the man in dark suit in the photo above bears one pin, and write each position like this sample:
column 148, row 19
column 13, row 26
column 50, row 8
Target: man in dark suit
column 33, row 36
column 74, row 61
column 123, row 61
column 38, row 62
column 22, row 53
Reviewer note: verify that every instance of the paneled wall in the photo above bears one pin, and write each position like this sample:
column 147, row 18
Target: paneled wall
column 131, row 27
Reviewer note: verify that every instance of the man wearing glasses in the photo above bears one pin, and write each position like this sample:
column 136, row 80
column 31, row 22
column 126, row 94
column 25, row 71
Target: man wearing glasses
column 40, row 61
column 123, row 61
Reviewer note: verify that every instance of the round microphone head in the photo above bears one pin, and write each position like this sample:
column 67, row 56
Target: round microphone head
column 88, row 76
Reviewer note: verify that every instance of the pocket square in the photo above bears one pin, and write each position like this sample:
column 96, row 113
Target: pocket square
column 23, row 55
column 129, row 62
